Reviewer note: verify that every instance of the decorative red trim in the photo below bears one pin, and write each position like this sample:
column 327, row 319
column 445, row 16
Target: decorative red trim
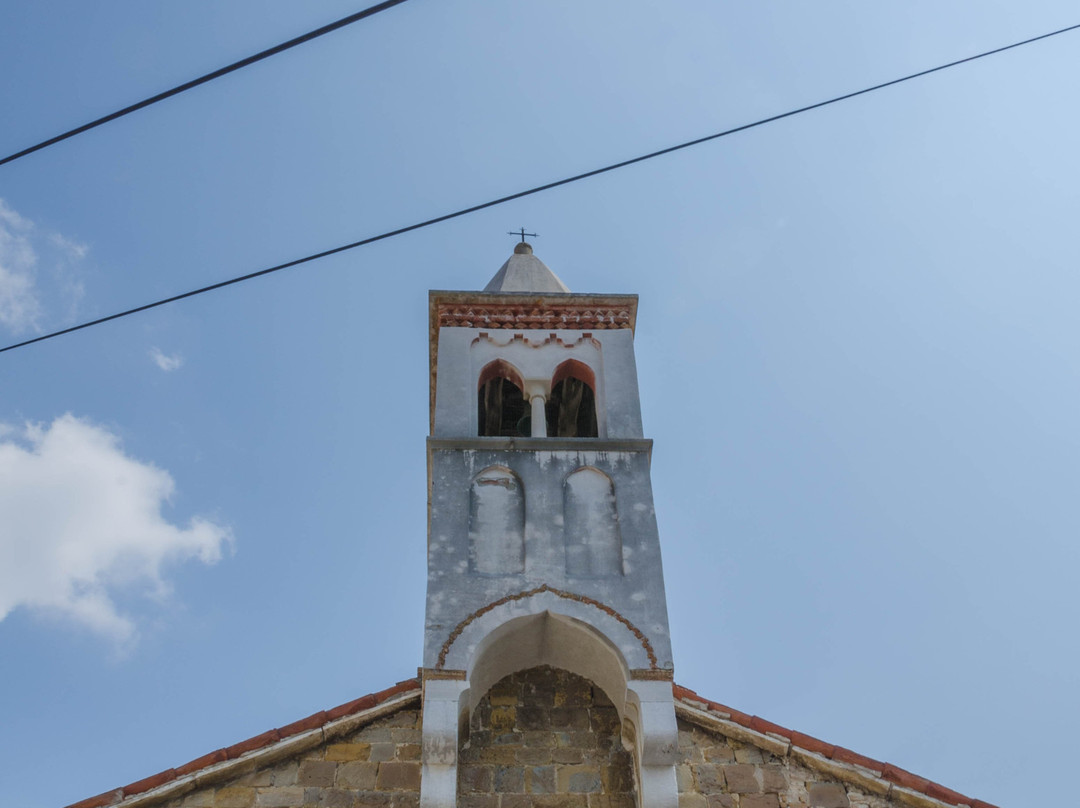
column 532, row 317
column 460, row 627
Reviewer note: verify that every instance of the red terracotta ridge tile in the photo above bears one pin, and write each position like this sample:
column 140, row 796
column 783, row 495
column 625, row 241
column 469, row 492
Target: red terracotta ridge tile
column 400, row 687
column 313, row 721
column 734, row 715
column 940, row 792
column 147, row 783
column 350, row 707
column 902, row 777
column 854, row 758
column 258, row 742
column 761, row 725
column 217, row 756
column 681, row 692
column 106, row 798
column 812, row 744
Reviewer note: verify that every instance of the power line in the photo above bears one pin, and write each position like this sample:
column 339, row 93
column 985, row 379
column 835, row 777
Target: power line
column 547, row 186
column 250, row 60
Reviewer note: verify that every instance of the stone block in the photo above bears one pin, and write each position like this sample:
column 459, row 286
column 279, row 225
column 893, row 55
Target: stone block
column 478, row 801
column 567, row 755
column 533, row 718
column 200, row 799
column 572, row 692
column 722, row 801
column 404, row 718
column 828, row 795
column 288, row 797
column 759, row 801
column 684, row 778
column 398, row 776
column 741, row 778
column 316, row 773
column 509, row 779
column 257, row 778
column 234, row 797
column 373, row 734
column 382, row 751
column 500, row 755
column 336, row 798
column 689, row 799
column 408, row 751
column 357, row 774
column 748, row 754
column 626, row 800
column 579, row 740
column 605, row 720
column 285, row 774
column 507, row 739
column 406, row 735
column 719, row 754
column 569, row 718
column 342, row 752
column 374, row 799
column 503, row 719
column 709, row 778
column 406, row 799
column 560, row 801
column 474, row 779
column 540, row 780
column 579, row 780
column 773, row 779
column 533, row 757
column 538, row 740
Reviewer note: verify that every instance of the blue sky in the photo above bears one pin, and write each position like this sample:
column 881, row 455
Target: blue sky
column 857, row 352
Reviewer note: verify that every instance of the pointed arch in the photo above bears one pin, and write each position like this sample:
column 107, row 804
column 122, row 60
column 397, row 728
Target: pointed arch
column 500, row 400
column 571, row 408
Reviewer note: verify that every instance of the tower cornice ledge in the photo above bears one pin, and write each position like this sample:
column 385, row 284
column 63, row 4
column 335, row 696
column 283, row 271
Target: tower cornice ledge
column 496, row 444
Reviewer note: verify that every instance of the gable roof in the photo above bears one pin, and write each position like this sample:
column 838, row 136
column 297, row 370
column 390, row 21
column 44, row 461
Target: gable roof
column 871, row 775
column 837, row 762
column 267, row 747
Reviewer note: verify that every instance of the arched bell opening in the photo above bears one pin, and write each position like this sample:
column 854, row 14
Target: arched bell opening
column 571, row 408
column 502, row 410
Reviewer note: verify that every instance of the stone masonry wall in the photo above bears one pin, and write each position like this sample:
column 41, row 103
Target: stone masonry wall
column 378, row 765
column 545, row 738
column 718, row 772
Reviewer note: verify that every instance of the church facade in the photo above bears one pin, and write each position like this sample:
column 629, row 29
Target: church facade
column 547, row 672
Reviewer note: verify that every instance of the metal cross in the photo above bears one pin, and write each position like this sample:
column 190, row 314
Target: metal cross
column 521, row 233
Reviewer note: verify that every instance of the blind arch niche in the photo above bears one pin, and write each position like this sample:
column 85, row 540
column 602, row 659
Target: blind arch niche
column 496, row 523
column 593, row 542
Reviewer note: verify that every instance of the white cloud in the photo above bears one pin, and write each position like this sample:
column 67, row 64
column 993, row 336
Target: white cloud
column 24, row 249
column 20, row 309
column 81, row 522
column 164, row 361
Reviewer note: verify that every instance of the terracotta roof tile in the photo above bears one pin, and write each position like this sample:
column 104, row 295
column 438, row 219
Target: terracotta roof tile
column 894, row 774
column 260, row 741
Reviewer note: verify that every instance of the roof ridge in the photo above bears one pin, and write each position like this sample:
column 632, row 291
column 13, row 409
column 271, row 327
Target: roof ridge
column 257, row 742
column 884, row 771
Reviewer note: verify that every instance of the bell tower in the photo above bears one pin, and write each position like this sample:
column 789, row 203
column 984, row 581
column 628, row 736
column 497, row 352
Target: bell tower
column 542, row 540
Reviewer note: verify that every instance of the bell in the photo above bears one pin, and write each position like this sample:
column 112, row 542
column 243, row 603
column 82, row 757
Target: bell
column 524, row 426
